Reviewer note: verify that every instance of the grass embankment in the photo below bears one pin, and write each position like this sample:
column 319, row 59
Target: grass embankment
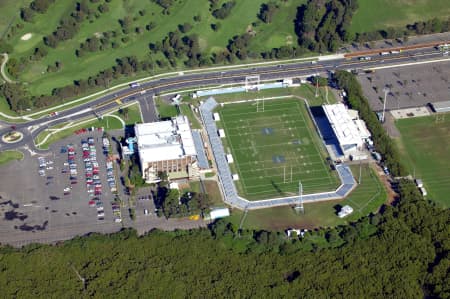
column 108, row 123
column 165, row 110
column 211, row 188
column 185, row 109
column 366, row 198
column 8, row 156
column 380, row 14
column 425, row 148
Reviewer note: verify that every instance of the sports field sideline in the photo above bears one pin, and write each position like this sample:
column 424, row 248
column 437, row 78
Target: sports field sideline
column 425, row 145
column 274, row 145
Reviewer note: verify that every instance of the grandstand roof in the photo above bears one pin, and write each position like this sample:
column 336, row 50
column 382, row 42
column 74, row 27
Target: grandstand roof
column 441, row 106
column 343, row 126
column 165, row 140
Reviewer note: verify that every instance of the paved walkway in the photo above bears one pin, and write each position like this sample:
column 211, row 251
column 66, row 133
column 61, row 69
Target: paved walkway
column 2, row 68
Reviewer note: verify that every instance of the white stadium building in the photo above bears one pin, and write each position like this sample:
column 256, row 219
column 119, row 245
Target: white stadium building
column 350, row 131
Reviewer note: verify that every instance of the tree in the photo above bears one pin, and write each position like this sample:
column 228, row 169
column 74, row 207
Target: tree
column 26, row 14
column 224, row 11
column 267, row 12
column 124, row 111
column 185, row 27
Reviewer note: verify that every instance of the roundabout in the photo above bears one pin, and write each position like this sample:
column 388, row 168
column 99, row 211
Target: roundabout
column 12, row 137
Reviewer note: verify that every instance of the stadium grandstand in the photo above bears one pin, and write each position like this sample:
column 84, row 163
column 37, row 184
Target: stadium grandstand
column 350, row 131
column 441, row 106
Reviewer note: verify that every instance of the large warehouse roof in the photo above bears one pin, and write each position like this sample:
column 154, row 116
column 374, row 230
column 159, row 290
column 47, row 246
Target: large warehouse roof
column 343, row 126
column 165, row 140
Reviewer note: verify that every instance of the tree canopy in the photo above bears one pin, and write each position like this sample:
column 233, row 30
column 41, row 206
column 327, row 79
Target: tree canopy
column 399, row 253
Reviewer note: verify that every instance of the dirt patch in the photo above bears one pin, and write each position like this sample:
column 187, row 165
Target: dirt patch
column 26, row 36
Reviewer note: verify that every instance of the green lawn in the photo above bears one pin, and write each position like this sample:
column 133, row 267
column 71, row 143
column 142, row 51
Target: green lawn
column 8, row 156
column 132, row 117
column 366, row 198
column 211, row 188
column 425, row 146
column 243, row 15
column 380, row 14
column 165, row 109
column 274, row 149
column 186, row 110
column 108, row 123
column 10, row 13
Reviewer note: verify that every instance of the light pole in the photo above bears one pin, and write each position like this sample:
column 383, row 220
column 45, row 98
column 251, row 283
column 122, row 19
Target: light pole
column 386, row 91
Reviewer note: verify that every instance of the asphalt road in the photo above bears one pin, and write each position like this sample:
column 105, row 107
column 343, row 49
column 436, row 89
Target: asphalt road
column 146, row 90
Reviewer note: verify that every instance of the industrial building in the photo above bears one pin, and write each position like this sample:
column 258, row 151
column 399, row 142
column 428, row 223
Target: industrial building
column 167, row 146
column 350, row 131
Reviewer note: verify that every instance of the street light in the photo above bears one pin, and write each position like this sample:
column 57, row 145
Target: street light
column 386, row 91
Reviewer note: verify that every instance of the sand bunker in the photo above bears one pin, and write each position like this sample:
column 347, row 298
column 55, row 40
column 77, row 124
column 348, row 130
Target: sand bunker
column 26, row 36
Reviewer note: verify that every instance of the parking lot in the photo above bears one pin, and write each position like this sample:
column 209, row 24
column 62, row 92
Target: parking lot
column 58, row 190
column 39, row 202
column 410, row 86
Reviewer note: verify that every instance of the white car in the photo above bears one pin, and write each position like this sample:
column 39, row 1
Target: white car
column 49, row 162
column 49, row 167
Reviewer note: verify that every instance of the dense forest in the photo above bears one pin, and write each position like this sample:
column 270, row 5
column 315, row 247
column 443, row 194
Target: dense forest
column 403, row 252
column 321, row 25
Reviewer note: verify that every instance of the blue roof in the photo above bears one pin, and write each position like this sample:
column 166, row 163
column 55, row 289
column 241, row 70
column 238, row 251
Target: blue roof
column 201, row 155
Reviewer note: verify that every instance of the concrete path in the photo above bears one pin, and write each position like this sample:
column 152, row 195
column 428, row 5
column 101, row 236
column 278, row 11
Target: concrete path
column 2, row 68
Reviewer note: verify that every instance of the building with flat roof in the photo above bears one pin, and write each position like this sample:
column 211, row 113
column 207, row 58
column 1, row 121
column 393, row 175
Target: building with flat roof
column 441, row 106
column 350, row 131
column 166, row 146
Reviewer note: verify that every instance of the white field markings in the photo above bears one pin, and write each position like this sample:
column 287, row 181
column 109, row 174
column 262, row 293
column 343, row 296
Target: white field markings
column 437, row 177
column 263, row 172
column 252, row 110
column 311, row 186
column 375, row 191
column 232, row 149
column 267, row 123
column 314, row 141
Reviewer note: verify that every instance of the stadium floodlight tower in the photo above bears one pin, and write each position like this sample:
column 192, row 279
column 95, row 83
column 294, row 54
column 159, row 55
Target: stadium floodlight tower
column 386, row 90
column 299, row 207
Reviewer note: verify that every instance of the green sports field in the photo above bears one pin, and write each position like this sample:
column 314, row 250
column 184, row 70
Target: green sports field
column 274, row 148
column 425, row 144
column 380, row 14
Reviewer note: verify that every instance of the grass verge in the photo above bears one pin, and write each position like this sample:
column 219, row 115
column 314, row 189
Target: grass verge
column 425, row 147
column 366, row 198
column 8, row 156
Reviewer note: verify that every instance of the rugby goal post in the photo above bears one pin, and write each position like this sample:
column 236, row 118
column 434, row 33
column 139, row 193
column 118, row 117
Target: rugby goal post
column 440, row 118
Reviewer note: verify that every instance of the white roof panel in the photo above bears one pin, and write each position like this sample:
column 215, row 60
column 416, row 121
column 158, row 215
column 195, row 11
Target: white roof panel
column 165, row 140
column 343, row 126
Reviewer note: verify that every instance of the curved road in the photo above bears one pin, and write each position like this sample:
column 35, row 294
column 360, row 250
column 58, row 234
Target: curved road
column 146, row 90
column 2, row 68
